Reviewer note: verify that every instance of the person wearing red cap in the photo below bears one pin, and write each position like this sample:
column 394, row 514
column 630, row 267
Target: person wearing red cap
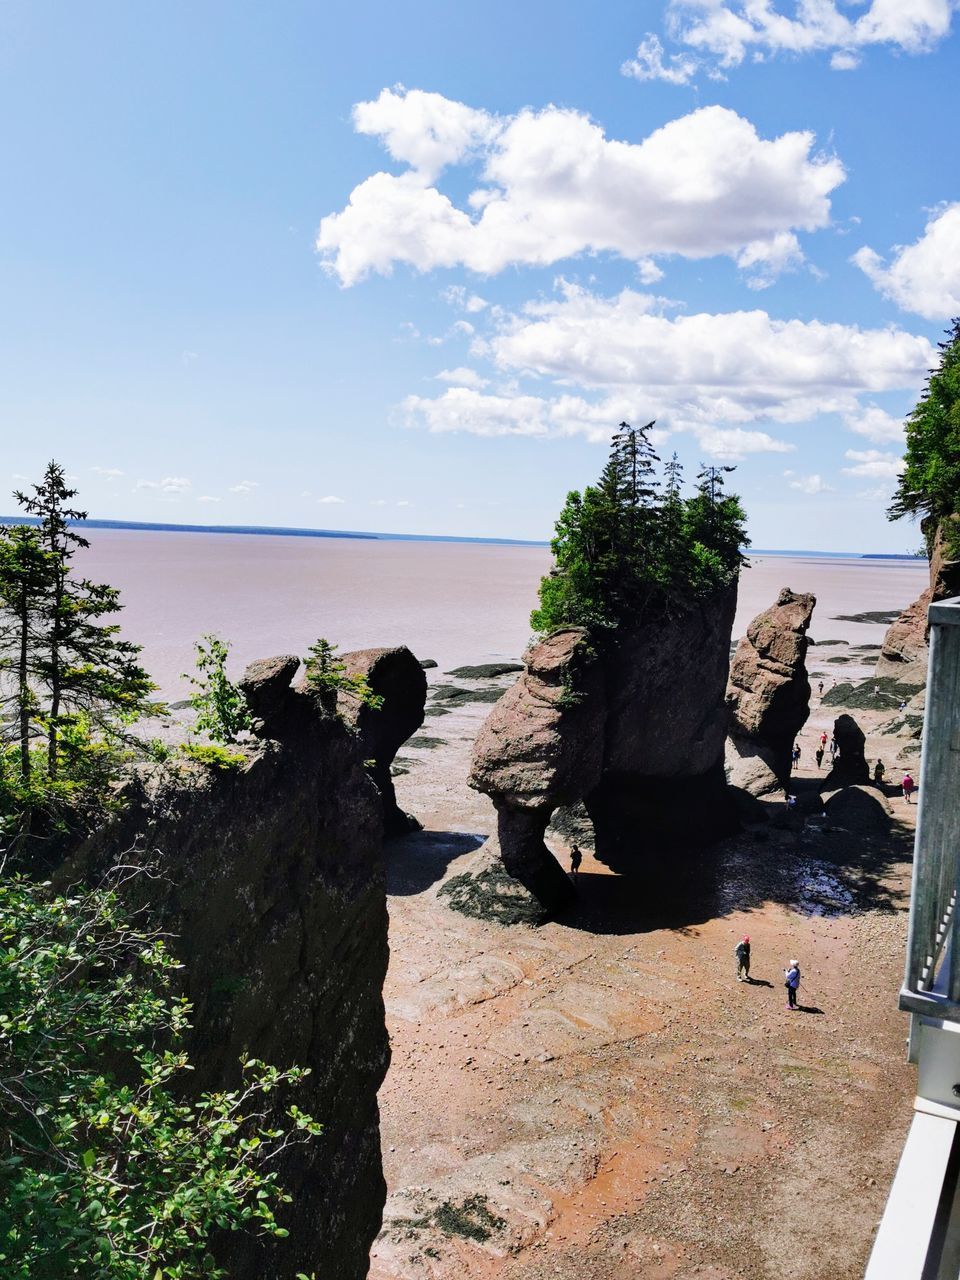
column 742, row 952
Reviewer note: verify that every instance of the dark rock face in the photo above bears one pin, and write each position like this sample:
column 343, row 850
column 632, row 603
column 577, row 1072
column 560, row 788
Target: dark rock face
column 397, row 677
column 850, row 767
column 768, row 693
column 662, row 782
column 271, row 881
column 635, row 732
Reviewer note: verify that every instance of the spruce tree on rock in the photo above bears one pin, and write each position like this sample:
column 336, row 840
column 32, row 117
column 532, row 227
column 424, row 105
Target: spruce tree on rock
column 26, row 577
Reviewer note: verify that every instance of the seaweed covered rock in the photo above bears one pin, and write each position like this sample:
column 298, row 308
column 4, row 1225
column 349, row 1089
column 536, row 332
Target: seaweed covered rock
column 396, row 677
column 768, row 693
column 269, row 878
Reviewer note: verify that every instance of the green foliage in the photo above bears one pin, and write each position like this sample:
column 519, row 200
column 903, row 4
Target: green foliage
column 327, row 677
column 70, row 686
column 213, row 755
column 109, row 1170
column 633, row 547
column 930, row 483
column 222, row 711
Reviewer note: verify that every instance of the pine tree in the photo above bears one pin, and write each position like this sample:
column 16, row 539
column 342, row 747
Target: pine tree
column 89, row 675
column 26, row 577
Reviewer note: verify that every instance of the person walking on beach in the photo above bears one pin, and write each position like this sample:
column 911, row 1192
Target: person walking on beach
column 820, row 688
column 834, row 748
column 823, row 740
column 576, row 858
column 819, row 755
column 795, row 757
column 791, row 980
column 909, row 786
column 878, row 772
column 742, row 952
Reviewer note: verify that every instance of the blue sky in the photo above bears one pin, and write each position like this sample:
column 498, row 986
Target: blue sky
column 404, row 267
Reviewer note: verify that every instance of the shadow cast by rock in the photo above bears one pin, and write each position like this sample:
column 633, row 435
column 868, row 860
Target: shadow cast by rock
column 416, row 861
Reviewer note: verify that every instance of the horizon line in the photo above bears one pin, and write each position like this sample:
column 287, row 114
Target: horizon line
column 292, row 531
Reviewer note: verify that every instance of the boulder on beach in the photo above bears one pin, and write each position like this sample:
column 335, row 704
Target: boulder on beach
column 850, row 766
column 768, row 692
column 860, row 809
column 748, row 768
column 396, row 676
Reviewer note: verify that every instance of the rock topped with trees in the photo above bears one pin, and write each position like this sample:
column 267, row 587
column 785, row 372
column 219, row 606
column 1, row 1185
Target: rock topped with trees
column 621, row 704
column 928, row 490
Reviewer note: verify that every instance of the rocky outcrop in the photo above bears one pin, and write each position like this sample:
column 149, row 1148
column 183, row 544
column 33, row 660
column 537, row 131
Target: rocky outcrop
column 270, row 881
column 634, row 729
column 904, row 652
column 662, row 785
column 396, row 677
column 850, row 766
column 905, row 646
column 768, row 693
column 542, row 747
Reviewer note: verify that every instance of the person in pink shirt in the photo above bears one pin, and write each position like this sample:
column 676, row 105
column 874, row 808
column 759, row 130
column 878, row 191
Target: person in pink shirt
column 909, row 786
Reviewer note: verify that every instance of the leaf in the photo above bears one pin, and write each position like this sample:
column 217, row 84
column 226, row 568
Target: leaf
column 89, row 1158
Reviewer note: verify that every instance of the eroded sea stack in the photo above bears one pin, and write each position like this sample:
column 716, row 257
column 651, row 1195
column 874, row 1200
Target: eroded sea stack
column 395, row 676
column 634, row 728
column 270, row 879
column 768, row 694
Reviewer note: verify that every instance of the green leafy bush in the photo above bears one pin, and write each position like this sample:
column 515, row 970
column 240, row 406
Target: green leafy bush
column 213, row 754
column 109, row 1169
column 222, row 711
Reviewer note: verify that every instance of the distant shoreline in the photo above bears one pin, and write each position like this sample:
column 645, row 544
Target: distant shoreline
column 280, row 531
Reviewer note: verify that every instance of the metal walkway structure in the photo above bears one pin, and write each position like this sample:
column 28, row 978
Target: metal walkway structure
column 919, row 1234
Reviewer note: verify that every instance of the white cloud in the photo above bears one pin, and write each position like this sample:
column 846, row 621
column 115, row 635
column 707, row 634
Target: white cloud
column 404, row 503
column 725, row 377
column 330, row 500
column 207, row 497
column 876, row 424
column 923, row 277
column 873, row 463
column 170, row 485
column 729, row 31
column 462, row 377
column 378, row 502
column 245, row 486
column 425, row 130
column 680, row 68
column 812, row 485
column 108, row 473
column 555, row 186
column 768, row 259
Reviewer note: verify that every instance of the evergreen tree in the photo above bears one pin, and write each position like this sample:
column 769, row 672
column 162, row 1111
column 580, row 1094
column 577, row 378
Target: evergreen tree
column 626, row 549
column 26, row 578
column 929, row 486
column 90, row 675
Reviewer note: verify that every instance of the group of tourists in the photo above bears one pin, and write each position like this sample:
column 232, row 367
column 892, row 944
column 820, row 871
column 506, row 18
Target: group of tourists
column 907, row 784
column 791, row 974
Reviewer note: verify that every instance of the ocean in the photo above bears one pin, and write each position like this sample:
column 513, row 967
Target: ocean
column 455, row 602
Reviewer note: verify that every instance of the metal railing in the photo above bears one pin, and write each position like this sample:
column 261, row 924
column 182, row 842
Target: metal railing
column 931, row 984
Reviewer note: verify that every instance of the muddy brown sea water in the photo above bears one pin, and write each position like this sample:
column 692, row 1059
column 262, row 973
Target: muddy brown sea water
column 599, row 1097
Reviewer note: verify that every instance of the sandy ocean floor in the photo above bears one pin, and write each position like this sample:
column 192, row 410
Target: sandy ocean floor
column 599, row 1097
